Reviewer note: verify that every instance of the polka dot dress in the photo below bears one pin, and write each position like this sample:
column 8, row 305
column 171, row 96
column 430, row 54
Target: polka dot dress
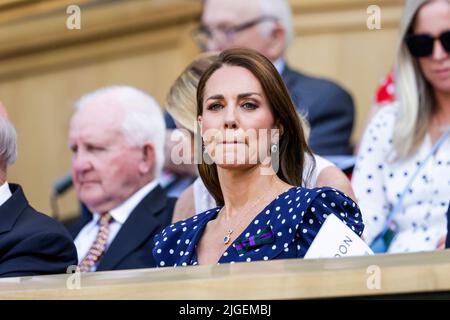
column 293, row 219
column 378, row 184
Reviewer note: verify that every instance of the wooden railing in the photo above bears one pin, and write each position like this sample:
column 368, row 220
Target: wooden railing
column 370, row 276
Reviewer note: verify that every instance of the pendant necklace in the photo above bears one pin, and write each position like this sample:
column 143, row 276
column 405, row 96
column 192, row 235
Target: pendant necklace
column 227, row 237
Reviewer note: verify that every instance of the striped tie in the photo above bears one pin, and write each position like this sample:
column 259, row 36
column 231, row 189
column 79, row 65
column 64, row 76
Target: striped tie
column 98, row 248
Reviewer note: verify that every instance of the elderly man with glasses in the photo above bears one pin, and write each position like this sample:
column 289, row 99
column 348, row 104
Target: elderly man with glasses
column 266, row 26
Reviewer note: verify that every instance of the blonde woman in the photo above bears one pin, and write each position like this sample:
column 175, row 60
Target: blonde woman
column 402, row 173
column 181, row 105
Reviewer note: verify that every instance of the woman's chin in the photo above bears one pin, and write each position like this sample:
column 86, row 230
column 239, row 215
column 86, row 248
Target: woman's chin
column 236, row 164
column 236, row 167
column 235, row 160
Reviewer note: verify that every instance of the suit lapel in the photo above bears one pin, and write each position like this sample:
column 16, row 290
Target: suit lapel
column 12, row 208
column 143, row 221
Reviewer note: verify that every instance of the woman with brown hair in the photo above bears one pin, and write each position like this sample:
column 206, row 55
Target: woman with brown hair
column 254, row 154
column 181, row 104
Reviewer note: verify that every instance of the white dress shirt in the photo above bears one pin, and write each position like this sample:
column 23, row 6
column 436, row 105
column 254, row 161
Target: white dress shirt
column 5, row 193
column 120, row 214
column 280, row 64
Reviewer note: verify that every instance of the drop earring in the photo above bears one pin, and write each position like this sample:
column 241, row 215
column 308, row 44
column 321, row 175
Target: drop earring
column 275, row 156
column 206, row 157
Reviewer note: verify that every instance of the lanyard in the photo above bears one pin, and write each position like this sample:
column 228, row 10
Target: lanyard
column 398, row 205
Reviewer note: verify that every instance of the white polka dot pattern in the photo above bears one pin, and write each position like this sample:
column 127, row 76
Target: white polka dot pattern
column 378, row 184
column 298, row 209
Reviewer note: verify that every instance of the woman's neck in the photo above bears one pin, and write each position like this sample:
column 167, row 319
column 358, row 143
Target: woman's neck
column 440, row 119
column 242, row 188
column 443, row 107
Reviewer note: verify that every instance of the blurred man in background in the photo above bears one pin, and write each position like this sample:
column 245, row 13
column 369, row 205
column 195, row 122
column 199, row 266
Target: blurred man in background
column 117, row 138
column 31, row 243
column 266, row 26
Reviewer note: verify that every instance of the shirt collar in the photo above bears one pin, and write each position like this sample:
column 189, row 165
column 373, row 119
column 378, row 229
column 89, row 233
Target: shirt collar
column 5, row 193
column 280, row 64
column 121, row 213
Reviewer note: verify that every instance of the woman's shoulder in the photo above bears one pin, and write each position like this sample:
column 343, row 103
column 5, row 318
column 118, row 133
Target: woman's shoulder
column 325, row 200
column 303, row 199
column 379, row 132
column 296, row 216
column 386, row 114
column 182, row 226
column 173, row 241
column 309, row 195
column 202, row 198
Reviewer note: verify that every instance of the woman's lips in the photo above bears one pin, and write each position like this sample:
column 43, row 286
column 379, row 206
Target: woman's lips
column 442, row 72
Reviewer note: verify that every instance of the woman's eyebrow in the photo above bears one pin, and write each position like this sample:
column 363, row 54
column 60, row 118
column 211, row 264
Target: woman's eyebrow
column 248, row 94
column 240, row 96
column 215, row 97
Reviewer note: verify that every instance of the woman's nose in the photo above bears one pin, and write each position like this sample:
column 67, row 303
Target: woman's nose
column 439, row 52
column 231, row 118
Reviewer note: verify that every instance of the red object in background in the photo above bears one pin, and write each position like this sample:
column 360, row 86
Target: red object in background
column 386, row 91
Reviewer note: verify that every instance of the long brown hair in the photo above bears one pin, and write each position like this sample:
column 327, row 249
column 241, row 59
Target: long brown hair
column 292, row 143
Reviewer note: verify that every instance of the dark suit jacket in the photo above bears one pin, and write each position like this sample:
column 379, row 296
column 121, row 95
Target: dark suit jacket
column 132, row 246
column 32, row 243
column 328, row 108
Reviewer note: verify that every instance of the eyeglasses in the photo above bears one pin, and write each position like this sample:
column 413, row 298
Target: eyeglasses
column 421, row 45
column 203, row 34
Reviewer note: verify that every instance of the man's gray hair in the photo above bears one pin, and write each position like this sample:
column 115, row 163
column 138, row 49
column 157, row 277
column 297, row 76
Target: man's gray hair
column 281, row 10
column 8, row 142
column 143, row 121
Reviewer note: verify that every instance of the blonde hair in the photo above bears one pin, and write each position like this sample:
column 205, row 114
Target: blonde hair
column 415, row 94
column 181, row 101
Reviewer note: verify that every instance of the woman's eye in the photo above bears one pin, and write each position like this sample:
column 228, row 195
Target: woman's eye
column 214, row 106
column 249, row 106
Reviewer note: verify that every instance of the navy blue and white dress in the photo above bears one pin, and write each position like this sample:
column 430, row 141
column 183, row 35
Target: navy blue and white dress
column 284, row 229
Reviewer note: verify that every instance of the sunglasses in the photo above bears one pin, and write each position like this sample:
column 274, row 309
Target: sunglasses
column 421, row 45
